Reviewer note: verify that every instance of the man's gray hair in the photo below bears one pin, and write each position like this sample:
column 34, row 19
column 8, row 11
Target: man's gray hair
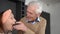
column 39, row 9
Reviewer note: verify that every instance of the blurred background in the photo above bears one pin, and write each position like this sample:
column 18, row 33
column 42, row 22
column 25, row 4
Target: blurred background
column 51, row 7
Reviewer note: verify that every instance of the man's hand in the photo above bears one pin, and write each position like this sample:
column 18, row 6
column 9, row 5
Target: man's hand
column 20, row 26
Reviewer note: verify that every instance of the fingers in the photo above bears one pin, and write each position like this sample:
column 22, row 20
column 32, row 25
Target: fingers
column 18, row 27
column 19, row 22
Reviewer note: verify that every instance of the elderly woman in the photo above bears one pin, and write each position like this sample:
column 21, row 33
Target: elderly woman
column 6, row 21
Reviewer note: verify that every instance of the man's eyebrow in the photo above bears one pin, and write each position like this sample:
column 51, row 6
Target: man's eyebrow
column 30, row 12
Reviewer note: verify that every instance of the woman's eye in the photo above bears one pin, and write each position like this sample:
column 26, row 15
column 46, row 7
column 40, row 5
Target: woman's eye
column 11, row 18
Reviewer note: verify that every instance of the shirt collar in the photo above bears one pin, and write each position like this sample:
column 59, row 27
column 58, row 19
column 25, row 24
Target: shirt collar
column 37, row 19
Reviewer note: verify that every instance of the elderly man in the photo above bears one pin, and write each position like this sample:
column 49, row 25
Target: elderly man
column 32, row 23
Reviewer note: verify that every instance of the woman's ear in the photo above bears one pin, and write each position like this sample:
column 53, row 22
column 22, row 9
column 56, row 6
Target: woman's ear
column 5, row 15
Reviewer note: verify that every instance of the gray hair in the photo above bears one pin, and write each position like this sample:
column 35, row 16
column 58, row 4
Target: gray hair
column 39, row 9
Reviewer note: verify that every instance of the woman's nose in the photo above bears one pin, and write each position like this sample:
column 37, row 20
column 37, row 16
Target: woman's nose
column 14, row 21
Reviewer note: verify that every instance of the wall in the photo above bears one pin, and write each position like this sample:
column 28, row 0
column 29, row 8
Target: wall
column 54, row 10
column 5, row 4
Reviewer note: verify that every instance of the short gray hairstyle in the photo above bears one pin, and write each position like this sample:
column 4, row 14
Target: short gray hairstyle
column 39, row 9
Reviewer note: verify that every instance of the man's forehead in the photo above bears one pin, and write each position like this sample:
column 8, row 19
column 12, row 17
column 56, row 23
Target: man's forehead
column 33, row 5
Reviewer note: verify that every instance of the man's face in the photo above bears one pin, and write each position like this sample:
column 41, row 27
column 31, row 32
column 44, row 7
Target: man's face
column 10, row 21
column 31, row 14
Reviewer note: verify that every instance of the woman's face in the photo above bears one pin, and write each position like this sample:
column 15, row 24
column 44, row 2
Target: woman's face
column 9, row 22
